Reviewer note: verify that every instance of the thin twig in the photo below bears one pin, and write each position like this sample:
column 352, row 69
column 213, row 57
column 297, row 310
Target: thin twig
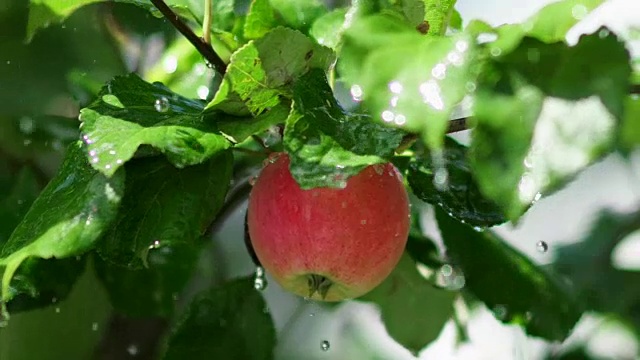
column 205, row 49
column 206, row 22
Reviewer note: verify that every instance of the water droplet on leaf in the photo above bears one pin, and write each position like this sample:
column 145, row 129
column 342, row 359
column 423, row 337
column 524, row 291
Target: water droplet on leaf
column 161, row 104
column 259, row 280
column 133, row 350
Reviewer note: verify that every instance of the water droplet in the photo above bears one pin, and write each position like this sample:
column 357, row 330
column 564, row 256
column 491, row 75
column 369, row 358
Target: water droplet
column 312, row 314
column 439, row 71
column 154, row 245
column 57, row 310
column 400, row 119
column 112, row 152
column 603, row 33
column 54, row 300
column 450, row 277
column 542, row 246
column 363, row 222
column 470, row 86
column 133, row 350
column 441, row 179
column 579, row 12
column 356, row 93
column 203, row 92
column 395, row 87
column 27, row 125
column 26, row 142
column 500, row 312
column 340, row 180
column 478, row 228
column 95, row 159
column 253, row 179
column 462, row 45
column 343, row 204
column 259, row 280
column 388, row 116
column 496, row 51
column 94, row 326
column 379, row 169
column 161, row 104
column 325, row 345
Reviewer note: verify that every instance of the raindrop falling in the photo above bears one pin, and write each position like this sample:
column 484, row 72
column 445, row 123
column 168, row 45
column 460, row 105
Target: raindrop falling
column 259, row 280
column 161, row 104
column 133, row 350
column 542, row 246
column 450, row 278
column 325, row 345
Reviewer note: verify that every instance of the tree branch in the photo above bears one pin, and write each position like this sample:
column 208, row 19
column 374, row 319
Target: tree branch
column 205, row 49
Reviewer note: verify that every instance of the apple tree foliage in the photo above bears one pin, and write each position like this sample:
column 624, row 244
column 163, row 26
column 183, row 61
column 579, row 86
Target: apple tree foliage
column 155, row 158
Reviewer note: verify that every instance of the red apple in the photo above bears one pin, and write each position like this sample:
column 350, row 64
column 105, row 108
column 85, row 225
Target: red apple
column 327, row 243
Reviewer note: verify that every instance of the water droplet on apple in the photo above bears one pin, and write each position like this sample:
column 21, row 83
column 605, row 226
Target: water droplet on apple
column 379, row 169
column 325, row 345
column 363, row 222
column 253, row 179
column 542, row 246
column 161, row 104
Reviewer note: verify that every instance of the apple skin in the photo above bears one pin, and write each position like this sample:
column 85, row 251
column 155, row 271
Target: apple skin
column 351, row 237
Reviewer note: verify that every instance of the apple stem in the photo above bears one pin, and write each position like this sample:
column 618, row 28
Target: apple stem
column 319, row 284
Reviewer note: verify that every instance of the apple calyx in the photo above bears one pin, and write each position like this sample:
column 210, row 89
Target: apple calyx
column 320, row 284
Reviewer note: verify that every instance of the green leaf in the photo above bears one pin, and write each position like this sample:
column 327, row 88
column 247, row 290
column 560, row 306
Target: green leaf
column 240, row 129
column 437, row 14
column 588, row 265
column 153, row 290
column 630, row 127
column 67, row 218
column 42, row 282
column 130, row 112
column 260, row 19
column 164, row 207
column 461, row 197
column 549, row 25
column 542, row 118
column 43, row 13
column 413, row 311
column 326, row 145
column 36, row 281
column 404, row 78
column 266, row 68
column 508, row 282
column 227, row 322
column 299, row 14
column 22, row 190
column 327, row 29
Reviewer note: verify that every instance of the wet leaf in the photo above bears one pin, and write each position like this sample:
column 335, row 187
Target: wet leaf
column 265, row 69
column 413, row 311
column 131, row 112
column 404, row 78
column 327, row 29
column 326, row 145
column 588, row 265
column 66, row 219
column 438, row 15
column 509, row 284
column 460, row 197
column 239, row 129
column 227, row 322
column 542, row 118
column 630, row 127
column 164, row 207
